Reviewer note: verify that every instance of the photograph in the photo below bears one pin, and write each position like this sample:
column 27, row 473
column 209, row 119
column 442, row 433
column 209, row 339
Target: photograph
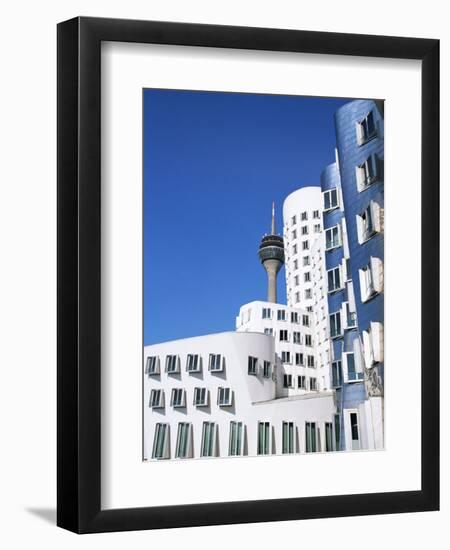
column 263, row 255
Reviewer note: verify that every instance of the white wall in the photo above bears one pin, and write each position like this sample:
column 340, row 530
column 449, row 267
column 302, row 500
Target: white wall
column 28, row 233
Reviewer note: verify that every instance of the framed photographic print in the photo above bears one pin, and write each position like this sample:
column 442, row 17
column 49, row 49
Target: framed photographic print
column 248, row 304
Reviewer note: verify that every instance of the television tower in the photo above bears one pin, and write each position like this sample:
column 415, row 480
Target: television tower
column 271, row 254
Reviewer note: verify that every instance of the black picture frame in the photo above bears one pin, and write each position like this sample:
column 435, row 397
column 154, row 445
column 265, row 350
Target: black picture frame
column 79, row 280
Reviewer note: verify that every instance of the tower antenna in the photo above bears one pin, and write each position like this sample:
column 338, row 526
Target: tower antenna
column 273, row 218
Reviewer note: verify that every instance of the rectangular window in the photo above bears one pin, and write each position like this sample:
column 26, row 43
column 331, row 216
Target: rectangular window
column 172, row 364
column 266, row 313
column 285, row 357
column 350, row 316
column 284, row 336
column 252, row 365
column 335, row 325
column 288, row 438
column 354, row 431
column 193, row 363
column 266, row 369
column 304, row 216
column 224, row 397
column 306, row 260
column 305, row 245
column 209, row 439
column 307, row 276
column 299, row 359
column 310, row 359
column 366, row 129
column 308, row 294
column 336, row 374
column 367, row 173
column 371, row 279
column 297, row 338
column 294, row 234
column 332, row 237
column 328, row 437
column 268, row 331
column 305, row 230
column 156, row 399
column 308, row 340
column 317, row 228
column 294, row 249
column 263, row 438
column 330, row 199
column 305, row 320
column 215, row 362
column 316, row 214
column 293, row 220
column 200, row 397
column 295, row 264
column 337, row 432
column 161, row 441
column 294, row 317
column 313, row 384
column 296, row 280
column 334, row 279
column 297, row 297
column 235, row 446
column 287, row 380
column 310, row 432
column 301, row 381
column 351, row 372
column 183, row 437
column 281, row 315
column 152, row 365
column 177, row 399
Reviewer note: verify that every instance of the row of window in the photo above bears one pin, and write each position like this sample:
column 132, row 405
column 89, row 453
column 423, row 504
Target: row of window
column 303, row 382
column 304, row 216
column 266, row 443
column 304, row 230
column 296, row 317
column 201, row 398
column 216, row 363
column 299, row 359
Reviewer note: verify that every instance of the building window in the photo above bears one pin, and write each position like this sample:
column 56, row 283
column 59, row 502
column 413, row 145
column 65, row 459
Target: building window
column 335, row 325
column 350, row 316
column 152, row 365
column 305, row 230
column 304, row 216
column 354, row 430
column 268, row 331
column 307, row 276
column 172, row 364
column 263, row 438
column 317, row 228
column 235, row 446
column 287, row 380
column 252, row 365
column 310, row 361
column 305, row 320
column 373, row 342
column 285, row 357
column 367, row 173
column 200, row 397
column 334, row 279
column 294, row 249
column 313, row 383
column 296, row 280
column 156, row 399
column 301, row 381
column 310, row 433
column 297, row 338
column 332, row 237
column 215, row 362
column 328, row 437
column 299, row 359
column 337, row 432
column 183, row 440
column 288, row 438
column 305, row 245
column 351, row 374
column 161, row 441
column 371, row 279
column 316, row 214
column 330, row 199
column 281, row 315
column 177, row 399
column 308, row 294
column 193, row 363
column 294, row 234
column 266, row 313
column 284, row 336
column 308, row 340
column 368, row 223
column 266, row 369
column 366, row 129
column 293, row 220
column 336, row 374
column 224, row 397
column 306, row 260
column 209, row 439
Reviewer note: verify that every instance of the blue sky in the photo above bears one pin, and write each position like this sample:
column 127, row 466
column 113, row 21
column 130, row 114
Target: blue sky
column 213, row 164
